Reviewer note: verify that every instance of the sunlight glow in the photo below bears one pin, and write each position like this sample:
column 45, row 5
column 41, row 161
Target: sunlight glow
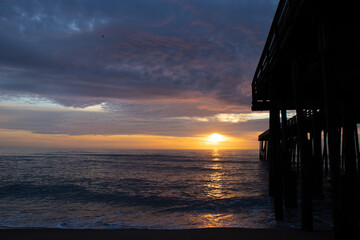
column 216, row 138
column 21, row 138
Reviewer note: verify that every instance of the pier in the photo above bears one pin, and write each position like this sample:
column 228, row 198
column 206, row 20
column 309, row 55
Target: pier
column 310, row 67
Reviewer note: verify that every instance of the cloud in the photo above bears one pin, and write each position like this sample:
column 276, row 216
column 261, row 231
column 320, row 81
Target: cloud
column 228, row 117
column 173, row 68
column 152, row 50
column 103, row 120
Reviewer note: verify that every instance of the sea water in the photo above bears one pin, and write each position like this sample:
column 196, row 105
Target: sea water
column 153, row 189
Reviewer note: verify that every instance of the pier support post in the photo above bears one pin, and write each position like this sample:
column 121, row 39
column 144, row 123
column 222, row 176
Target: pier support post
column 275, row 164
column 325, row 153
column 305, row 156
column 358, row 166
column 267, row 151
column 317, row 169
column 289, row 177
column 349, row 183
column 332, row 108
column 275, row 160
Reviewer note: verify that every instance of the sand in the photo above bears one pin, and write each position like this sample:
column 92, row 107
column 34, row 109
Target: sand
column 208, row 234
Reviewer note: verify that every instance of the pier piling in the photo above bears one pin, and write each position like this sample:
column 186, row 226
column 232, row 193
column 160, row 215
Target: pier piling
column 310, row 65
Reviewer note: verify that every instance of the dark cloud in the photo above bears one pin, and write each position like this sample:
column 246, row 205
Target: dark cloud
column 150, row 49
column 158, row 65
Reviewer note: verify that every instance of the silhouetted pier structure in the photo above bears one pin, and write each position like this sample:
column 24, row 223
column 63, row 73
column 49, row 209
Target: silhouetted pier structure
column 311, row 64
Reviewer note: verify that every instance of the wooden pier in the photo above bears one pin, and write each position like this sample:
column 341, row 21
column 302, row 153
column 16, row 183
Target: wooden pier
column 311, row 65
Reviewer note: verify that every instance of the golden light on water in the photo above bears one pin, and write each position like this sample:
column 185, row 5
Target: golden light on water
column 214, row 189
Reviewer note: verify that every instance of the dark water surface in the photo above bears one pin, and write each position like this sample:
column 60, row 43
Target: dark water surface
column 162, row 189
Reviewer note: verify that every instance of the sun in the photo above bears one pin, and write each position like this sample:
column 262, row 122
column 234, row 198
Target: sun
column 215, row 138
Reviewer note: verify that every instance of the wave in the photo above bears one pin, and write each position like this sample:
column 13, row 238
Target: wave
column 74, row 193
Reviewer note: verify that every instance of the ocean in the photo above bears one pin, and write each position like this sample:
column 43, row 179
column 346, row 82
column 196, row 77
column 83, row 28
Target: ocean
column 151, row 189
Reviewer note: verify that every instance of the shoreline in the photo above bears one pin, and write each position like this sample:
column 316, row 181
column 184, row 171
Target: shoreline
column 187, row 234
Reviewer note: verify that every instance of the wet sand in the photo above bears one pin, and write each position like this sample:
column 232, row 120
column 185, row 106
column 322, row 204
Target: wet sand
column 134, row 234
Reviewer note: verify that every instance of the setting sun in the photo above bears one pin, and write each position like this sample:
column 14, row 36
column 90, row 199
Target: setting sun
column 216, row 138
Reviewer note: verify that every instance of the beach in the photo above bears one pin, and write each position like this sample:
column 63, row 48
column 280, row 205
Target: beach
column 134, row 234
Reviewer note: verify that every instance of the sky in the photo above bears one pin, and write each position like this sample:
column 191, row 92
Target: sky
column 160, row 74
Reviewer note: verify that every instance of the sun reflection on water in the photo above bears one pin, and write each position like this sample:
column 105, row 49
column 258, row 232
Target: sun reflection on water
column 215, row 154
column 214, row 166
column 214, row 220
column 214, row 187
